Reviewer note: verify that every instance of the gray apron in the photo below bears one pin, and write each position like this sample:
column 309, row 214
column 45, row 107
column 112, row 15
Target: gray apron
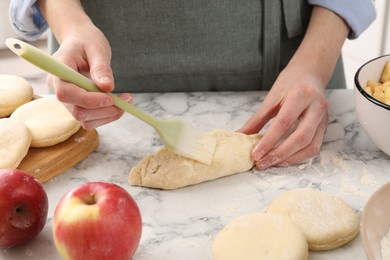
column 201, row 45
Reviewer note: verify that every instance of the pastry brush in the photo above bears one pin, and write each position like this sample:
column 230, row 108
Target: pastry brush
column 175, row 133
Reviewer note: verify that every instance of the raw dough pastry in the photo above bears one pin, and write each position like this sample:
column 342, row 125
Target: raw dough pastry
column 48, row 120
column 326, row 220
column 14, row 92
column 168, row 170
column 15, row 139
column 260, row 236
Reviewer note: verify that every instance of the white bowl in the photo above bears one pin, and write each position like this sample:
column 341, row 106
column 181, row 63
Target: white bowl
column 373, row 115
column 375, row 222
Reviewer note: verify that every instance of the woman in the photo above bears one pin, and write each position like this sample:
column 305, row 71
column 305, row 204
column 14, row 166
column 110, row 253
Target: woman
column 289, row 47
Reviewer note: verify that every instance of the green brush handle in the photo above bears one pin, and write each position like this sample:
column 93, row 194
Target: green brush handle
column 49, row 64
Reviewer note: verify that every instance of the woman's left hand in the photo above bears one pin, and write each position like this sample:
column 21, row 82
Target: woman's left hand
column 298, row 108
column 297, row 102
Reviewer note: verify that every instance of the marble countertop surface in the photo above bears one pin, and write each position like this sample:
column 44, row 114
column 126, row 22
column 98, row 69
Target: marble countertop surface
column 181, row 224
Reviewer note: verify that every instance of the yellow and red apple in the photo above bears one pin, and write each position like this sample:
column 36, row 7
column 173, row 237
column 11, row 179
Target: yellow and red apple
column 23, row 207
column 97, row 220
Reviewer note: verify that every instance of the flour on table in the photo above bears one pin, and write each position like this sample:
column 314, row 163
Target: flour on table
column 330, row 157
column 367, row 179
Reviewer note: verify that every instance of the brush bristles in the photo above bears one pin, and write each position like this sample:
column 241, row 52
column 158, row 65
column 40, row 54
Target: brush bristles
column 198, row 146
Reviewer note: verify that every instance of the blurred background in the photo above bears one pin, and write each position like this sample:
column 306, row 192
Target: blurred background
column 375, row 41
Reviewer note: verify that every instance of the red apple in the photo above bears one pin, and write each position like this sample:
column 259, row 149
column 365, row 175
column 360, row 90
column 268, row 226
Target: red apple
column 97, row 220
column 23, row 207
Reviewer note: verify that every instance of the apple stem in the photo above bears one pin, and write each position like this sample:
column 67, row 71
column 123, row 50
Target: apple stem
column 91, row 199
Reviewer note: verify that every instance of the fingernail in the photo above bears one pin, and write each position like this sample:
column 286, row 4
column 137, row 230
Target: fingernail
column 283, row 164
column 263, row 164
column 241, row 129
column 257, row 152
column 129, row 98
column 104, row 79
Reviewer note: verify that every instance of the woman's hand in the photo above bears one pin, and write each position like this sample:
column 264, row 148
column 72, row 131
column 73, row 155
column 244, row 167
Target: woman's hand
column 84, row 48
column 298, row 107
column 87, row 51
column 296, row 102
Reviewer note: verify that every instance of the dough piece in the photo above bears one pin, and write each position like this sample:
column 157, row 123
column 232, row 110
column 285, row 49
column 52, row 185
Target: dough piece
column 48, row 120
column 168, row 170
column 326, row 220
column 14, row 92
column 15, row 139
column 260, row 236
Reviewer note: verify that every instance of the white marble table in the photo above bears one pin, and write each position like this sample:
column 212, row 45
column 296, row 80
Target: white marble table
column 181, row 224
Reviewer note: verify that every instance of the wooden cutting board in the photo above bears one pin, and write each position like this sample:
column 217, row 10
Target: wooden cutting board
column 49, row 162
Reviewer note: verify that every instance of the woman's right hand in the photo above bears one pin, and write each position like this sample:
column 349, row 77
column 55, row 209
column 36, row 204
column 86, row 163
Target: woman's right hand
column 87, row 51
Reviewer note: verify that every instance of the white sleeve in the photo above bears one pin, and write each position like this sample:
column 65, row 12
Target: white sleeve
column 358, row 14
column 26, row 19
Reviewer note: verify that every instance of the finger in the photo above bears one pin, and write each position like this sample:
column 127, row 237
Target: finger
column 69, row 56
column 267, row 110
column 310, row 151
column 81, row 114
column 92, row 118
column 281, row 124
column 301, row 140
column 49, row 82
column 96, row 123
column 99, row 59
column 69, row 93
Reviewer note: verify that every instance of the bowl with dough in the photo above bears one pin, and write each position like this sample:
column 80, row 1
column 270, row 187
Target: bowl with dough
column 375, row 224
column 372, row 100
